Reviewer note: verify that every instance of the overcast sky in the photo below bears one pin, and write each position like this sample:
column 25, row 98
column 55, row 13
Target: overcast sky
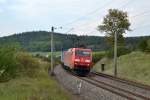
column 82, row 15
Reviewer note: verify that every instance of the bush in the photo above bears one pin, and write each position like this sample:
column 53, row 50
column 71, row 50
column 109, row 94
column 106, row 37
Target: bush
column 8, row 63
column 143, row 45
column 120, row 51
column 14, row 63
column 29, row 65
column 98, row 56
column 148, row 45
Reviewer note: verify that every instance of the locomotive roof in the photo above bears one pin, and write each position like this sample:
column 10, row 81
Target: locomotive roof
column 82, row 49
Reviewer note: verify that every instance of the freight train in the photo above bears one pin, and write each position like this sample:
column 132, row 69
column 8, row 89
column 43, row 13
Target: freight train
column 78, row 60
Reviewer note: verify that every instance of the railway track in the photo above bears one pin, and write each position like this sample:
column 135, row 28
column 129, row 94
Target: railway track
column 107, row 87
column 120, row 86
column 126, row 81
column 115, row 88
column 123, row 92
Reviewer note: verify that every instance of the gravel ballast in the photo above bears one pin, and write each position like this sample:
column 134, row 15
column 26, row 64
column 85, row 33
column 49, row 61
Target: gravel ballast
column 87, row 91
column 129, row 87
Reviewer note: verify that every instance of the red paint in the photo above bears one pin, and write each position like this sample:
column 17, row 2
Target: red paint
column 77, row 58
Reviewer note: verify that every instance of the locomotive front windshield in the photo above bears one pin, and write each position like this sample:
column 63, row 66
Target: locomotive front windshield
column 82, row 53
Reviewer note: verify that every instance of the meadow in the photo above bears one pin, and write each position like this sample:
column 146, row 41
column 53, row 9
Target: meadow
column 134, row 66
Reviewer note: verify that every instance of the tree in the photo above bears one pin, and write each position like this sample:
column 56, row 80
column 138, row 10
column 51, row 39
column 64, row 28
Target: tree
column 148, row 45
column 143, row 45
column 115, row 21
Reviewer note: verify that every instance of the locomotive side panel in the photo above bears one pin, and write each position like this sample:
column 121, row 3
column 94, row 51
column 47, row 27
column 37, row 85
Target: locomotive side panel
column 68, row 59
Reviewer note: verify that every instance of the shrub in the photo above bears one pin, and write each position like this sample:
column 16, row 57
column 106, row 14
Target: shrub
column 148, row 45
column 29, row 65
column 120, row 51
column 16, row 63
column 98, row 56
column 143, row 45
column 8, row 63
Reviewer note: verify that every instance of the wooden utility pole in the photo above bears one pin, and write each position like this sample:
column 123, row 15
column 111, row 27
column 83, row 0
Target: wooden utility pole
column 115, row 45
column 52, row 49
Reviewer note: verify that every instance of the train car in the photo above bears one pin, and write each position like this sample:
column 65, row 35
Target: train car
column 78, row 60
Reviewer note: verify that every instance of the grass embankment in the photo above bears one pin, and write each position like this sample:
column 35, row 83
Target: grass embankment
column 30, row 85
column 46, row 53
column 134, row 66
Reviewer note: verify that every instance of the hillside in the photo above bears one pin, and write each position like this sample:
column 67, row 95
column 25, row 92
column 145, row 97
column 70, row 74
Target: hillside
column 40, row 41
column 134, row 66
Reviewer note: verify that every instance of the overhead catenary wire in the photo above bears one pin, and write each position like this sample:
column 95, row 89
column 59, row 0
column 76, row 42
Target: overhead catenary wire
column 124, row 5
column 141, row 14
column 88, row 14
column 139, row 27
column 138, row 15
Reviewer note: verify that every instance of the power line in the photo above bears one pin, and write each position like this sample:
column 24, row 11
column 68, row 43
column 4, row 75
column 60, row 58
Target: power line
column 90, row 13
column 141, row 14
column 126, row 4
column 137, row 15
column 119, row 7
column 139, row 27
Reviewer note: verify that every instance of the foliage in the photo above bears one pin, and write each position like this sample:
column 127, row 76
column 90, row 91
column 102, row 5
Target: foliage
column 98, row 56
column 8, row 63
column 29, row 65
column 40, row 41
column 14, row 63
column 42, row 87
column 143, row 45
column 148, row 45
column 116, row 21
column 33, row 81
column 120, row 51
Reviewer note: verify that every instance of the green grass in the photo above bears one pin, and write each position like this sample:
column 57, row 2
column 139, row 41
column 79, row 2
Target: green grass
column 134, row 66
column 41, row 87
column 46, row 53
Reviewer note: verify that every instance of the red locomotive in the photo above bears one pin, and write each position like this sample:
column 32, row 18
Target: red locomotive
column 77, row 59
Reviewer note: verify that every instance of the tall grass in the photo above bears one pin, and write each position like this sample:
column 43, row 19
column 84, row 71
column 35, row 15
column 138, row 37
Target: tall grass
column 41, row 87
column 31, row 80
column 134, row 66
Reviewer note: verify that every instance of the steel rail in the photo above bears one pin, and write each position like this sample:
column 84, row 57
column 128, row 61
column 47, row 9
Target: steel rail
column 125, row 81
column 99, row 86
column 121, row 89
column 108, row 87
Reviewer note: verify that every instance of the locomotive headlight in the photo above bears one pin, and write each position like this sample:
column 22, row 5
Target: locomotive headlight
column 77, row 60
column 87, row 60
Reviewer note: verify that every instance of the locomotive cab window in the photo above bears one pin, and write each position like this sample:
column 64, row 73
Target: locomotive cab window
column 82, row 53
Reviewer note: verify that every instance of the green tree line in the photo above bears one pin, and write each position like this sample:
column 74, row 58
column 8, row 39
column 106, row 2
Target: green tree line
column 40, row 41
